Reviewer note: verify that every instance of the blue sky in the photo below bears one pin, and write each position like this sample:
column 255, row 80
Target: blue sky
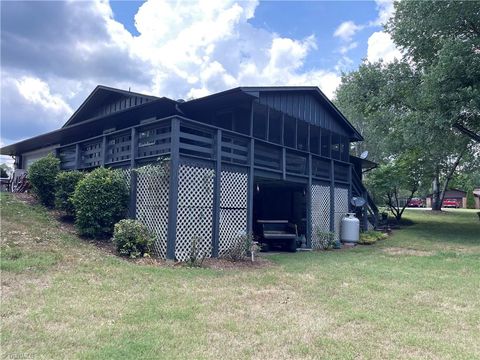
column 53, row 54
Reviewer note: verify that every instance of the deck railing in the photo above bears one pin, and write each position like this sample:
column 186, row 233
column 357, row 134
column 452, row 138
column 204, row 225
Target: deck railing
column 145, row 143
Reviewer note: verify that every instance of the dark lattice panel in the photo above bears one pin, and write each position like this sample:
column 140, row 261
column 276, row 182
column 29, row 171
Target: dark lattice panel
column 233, row 208
column 118, row 147
column 152, row 206
column 195, row 210
column 341, row 208
column 320, row 213
column 90, row 154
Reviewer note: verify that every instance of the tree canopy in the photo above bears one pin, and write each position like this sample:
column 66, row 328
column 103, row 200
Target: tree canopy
column 428, row 103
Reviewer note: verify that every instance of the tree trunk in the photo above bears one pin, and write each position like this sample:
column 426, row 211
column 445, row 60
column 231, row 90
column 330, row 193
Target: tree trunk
column 450, row 175
column 436, row 203
column 438, row 195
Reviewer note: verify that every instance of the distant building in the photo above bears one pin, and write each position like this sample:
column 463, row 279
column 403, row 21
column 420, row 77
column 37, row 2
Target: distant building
column 459, row 196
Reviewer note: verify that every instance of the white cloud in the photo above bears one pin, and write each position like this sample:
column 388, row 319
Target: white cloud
column 37, row 92
column 346, row 30
column 381, row 46
column 183, row 50
column 385, row 11
column 346, row 48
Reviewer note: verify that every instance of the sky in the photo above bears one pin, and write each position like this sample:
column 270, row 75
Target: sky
column 53, row 54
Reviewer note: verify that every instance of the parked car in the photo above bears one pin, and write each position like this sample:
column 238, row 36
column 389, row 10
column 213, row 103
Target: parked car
column 453, row 203
column 415, row 202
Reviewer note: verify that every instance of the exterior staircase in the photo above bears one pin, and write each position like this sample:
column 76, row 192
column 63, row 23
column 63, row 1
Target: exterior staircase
column 369, row 214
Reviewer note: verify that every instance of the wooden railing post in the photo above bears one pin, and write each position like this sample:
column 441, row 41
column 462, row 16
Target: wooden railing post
column 216, row 194
column 332, row 196
column 173, row 189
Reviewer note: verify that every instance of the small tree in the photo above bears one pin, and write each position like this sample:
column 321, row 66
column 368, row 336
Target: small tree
column 397, row 180
column 100, row 200
column 65, row 184
column 41, row 175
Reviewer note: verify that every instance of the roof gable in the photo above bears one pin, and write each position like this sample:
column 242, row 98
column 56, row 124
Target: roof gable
column 106, row 101
column 307, row 103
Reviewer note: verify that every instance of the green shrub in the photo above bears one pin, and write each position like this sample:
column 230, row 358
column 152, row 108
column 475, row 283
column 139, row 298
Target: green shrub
column 100, row 200
column 242, row 248
column 371, row 237
column 196, row 256
column 65, row 184
column 326, row 238
column 132, row 238
column 41, row 175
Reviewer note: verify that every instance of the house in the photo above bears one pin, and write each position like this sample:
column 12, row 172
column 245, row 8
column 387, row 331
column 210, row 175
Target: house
column 459, row 196
column 230, row 159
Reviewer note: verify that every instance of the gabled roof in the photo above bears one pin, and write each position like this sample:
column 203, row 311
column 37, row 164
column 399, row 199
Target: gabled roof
column 104, row 95
column 254, row 91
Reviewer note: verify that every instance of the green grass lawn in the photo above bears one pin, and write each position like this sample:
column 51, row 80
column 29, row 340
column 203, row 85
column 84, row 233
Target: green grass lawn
column 414, row 295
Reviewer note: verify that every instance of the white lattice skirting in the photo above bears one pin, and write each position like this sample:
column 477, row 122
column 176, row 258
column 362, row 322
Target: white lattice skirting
column 195, row 211
column 341, row 208
column 320, row 212
column 233, row 208
column 152, row 207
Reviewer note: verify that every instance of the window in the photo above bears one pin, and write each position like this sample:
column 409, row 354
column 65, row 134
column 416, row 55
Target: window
column 275, row 126
column 302, row 135
column 289, row 131
column 314, row 139
column 260, row 115
column 325, row 142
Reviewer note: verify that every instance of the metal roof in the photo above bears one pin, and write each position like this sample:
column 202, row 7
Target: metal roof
column 76, row 125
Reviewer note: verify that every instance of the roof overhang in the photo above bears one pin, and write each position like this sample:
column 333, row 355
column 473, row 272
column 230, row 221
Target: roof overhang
column 159, row 108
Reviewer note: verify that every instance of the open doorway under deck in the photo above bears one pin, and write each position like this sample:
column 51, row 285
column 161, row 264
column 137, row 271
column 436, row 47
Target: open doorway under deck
column 279, row 207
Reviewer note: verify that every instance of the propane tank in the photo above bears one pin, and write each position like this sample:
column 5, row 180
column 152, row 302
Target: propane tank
column 350, row 229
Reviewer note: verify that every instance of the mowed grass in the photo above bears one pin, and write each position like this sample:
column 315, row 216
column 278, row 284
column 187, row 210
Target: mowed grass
column 414, row 295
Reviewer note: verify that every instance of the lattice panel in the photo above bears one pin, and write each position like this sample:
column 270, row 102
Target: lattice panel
column 152, row 206
column 233, row 191
column 320, row 212
column 126, row 175
column 341, row 208
column 195, row 210
column 233, row 208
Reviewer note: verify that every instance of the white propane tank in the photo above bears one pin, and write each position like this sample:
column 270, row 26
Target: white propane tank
column 350, row 229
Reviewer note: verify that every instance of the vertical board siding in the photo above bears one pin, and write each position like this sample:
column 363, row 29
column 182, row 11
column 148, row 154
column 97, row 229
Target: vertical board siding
column 304, row 107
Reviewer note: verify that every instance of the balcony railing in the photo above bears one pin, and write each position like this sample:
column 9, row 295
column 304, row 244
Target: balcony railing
column 145, row 143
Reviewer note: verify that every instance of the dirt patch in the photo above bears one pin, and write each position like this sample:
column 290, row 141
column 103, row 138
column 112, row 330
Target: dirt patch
column 210, row 263
column 224, row 264
column 26, row 198
column 396, row 251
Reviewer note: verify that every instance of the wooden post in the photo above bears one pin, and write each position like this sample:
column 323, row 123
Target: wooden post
column 133, row 147
column 250, row 184
column 308, row 194
column 132, row 208
column 216, row 194
column 350, row 179
column 173, row 189
column 77, row 156
column 103, row 151
column 332, row 196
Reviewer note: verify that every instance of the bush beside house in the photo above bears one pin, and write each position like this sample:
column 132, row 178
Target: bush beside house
column 65, row 184
column 41, row 175
column 132, row 238
column 100, row 200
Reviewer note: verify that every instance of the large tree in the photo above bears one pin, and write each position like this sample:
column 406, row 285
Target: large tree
column 442, row 39
column 430, row 100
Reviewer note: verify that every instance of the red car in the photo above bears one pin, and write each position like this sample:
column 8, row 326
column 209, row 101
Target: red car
column 415, row 202
column 451, row 203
